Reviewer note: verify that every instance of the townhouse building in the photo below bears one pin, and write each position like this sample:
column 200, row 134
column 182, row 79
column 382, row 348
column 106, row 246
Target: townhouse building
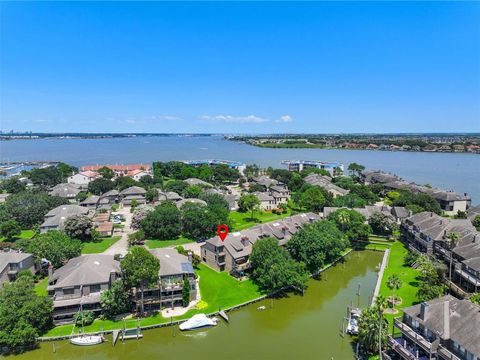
column 445, row 328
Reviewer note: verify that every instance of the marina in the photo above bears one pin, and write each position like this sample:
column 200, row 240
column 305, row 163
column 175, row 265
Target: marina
column 310, row 322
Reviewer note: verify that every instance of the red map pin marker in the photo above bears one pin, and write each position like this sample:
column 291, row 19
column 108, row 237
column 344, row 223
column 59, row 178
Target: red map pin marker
column 222, row 231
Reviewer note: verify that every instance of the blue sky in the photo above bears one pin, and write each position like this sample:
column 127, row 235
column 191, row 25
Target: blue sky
column 240, row 67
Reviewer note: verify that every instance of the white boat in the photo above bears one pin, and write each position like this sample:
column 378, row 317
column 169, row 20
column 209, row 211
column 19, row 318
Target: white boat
column 198, row 321
column 87, row 340
column 352, row 326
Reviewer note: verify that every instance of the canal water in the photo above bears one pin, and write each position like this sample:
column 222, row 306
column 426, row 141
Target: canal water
column 296, row 327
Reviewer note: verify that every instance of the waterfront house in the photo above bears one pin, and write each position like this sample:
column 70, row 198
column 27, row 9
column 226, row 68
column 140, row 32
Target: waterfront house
column 450, row 202
column 12, row 262
column 443, row 328
column 83, row 178
column 232, row 254
column 66, row 191
column 133, row 193
column 174, row 269
column 325, row 182
column 55, row 218
column 121, row 169
column 267, row 201
column 79, row 284
column 429, row 233
column 395, row 213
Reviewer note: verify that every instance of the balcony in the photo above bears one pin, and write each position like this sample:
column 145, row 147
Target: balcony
column 242, row 267
column 414, row 336
column 400, row 347
column 468, row 276
column 446, row 354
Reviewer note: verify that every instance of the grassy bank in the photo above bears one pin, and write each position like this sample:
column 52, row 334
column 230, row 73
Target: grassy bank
column 408, row 276
column 218, row 290
column 154, row 244
column 242, row 220
column 96, row 247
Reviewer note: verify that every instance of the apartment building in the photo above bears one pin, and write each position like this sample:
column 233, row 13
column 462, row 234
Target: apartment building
column 443, row 329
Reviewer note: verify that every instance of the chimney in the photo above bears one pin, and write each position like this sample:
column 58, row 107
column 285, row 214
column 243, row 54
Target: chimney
column 50, row 270
column 190, row 257
column 423, row 310
column 446, row 320
column 113, row 277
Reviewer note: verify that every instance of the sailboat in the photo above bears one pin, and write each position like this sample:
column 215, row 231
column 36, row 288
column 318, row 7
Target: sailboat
column 84, row 339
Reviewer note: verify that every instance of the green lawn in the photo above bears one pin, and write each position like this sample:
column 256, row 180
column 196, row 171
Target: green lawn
column 41, row 287
column 218, row 290
column 25, row 234
column 242, row 220
column 154, row 244
column 99, row 246
column 408, row 276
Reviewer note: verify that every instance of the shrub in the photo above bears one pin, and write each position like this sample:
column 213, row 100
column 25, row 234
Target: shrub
column 83, row 318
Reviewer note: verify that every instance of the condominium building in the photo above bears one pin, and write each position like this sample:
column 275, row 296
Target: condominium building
column 444, row 328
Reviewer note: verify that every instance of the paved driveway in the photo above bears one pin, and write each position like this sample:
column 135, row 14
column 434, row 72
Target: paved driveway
column 121, row 246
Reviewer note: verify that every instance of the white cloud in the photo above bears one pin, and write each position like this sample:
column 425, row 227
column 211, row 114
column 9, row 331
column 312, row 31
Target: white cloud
column 284, row 119
column 234, row 119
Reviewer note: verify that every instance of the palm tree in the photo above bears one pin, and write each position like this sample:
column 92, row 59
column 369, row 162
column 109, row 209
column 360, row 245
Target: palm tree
column 343, row 219
column 395, row 233
column 394, row 283
column 373, row 327
column 452, row 242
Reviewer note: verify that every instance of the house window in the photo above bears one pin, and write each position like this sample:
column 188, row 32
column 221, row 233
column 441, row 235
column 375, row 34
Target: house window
column 68, row 291
column 95, row 288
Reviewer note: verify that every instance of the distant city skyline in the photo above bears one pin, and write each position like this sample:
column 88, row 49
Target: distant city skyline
column 240, row 67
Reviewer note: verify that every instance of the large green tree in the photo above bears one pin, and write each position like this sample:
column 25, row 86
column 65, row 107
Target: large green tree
column 313, row 199
column 55, row 246
column 66, row 170
column 46, row 177
column 273, row 269
column 10, row 229
column 352, row 223
column 382, row 224
column 198, row 221
column 429, row 279
column 12, row 185
column 248, row 202
column 355, row 169
column 100, row 186
column 106, row 173
column 139, row 270
column 116, row 300
column 79, row 227
column 23, row 314
column 163, row 223
column 316, row 244
column 28, row 208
